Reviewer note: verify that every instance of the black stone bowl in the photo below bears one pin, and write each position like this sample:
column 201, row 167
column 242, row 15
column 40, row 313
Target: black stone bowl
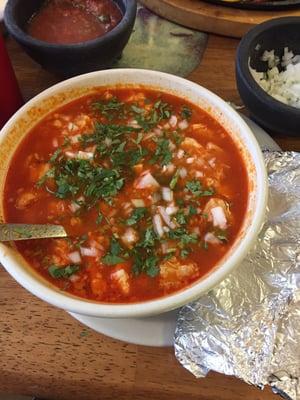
column 275, row 34
column 71, row 59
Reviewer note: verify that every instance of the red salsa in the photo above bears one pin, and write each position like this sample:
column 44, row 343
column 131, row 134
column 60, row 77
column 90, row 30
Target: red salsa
column 151, row 189
column 73, row 21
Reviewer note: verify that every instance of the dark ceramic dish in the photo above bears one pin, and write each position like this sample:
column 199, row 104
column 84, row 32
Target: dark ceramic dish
column 72, row 59
column 266, row 5
column 276, row 34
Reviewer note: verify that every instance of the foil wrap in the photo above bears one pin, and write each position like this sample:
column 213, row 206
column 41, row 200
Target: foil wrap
column 249, row 325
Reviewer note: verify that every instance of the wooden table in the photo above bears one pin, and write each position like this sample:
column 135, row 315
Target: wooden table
column 46, row 353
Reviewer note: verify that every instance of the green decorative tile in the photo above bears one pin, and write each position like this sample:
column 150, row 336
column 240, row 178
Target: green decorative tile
column 162, row 45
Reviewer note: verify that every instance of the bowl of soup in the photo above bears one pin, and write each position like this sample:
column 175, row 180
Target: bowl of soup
column 160, row 185
column 69, row 37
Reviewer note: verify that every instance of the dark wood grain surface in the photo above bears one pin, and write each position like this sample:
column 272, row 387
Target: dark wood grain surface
column 45, row 352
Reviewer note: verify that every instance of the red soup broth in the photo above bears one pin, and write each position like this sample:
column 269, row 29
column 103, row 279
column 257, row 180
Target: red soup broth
column 151, row 189
column 73, row 21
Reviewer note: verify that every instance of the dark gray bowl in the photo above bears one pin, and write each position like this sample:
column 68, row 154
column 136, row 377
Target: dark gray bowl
column 72, row 59
column 276, row 34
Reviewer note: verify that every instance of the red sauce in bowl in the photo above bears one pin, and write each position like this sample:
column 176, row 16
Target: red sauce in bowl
column 73, row 21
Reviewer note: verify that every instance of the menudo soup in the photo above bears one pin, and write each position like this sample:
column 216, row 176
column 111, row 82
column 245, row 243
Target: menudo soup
column 151, row 189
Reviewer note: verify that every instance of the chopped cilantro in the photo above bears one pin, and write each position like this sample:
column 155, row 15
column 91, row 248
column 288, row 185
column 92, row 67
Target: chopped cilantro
column 137, row 110
column 196, row 189
column 178, row 138
column 222, row 235
column 183, row 236
column 162, row 154
column 113, row 256
column 181, row 217
column 184, row 253
column 136, row 216
column 55, row 156
column 110, row 109
column 174, row 180
column 58, row 272
column 81, row 240
column 99, row 218
column 186, row 112
column 192, row 210
column 160, row 111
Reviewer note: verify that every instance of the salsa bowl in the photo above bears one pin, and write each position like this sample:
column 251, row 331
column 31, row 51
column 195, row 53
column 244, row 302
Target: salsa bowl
column 36, row 109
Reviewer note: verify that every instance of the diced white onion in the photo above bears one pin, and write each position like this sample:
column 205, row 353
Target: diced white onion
column 173, row 121
column 169, row 169
column 166, row 217
column 167, row 194
column 166, row 229
column 130, row 237
column 74, row 278
column 183, row 173
column 82, row 155
column 85, row 155
column 74, row 207
column 180, row 153
column 138, row 202
column 172, row 146
column 55, row 142
column 199, row 174
column 156, row 197
column 74, row 257
column 72, row 127
column 190, row 160
column 88, row 251
column 171, row 210
column 183, row 124
column 212, row 162
column 219, row 218
column 146, row 180
column 211, row 238
column 157, row 225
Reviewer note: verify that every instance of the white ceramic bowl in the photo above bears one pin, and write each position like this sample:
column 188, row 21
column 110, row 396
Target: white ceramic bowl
column 38, row 107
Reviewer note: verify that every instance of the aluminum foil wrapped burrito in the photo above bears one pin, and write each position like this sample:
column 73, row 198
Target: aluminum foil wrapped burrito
column 249, row 325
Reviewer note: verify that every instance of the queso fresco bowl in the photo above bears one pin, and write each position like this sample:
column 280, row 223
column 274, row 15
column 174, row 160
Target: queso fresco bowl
column 14, row 131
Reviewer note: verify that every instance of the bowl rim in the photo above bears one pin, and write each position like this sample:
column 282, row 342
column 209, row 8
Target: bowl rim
column 242, row 63
column 23, row 37
column 177, row 299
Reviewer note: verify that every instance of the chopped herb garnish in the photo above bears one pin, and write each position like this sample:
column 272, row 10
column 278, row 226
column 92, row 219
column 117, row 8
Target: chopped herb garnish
column 99, row 218
column 192, row 210
column 174, row 180
column 136, row 216
column 159, row 112
column 75, row 176
column 183, row 236
column 113, row 256
column 180, row 217
column 184, row 253
column 162, row 154
column 196, row 189
column 110, row 109
column 222, row 236
column 58, row 272
column 81, row 240
column 55, row 156
column 178, row 138
column 186, row 112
